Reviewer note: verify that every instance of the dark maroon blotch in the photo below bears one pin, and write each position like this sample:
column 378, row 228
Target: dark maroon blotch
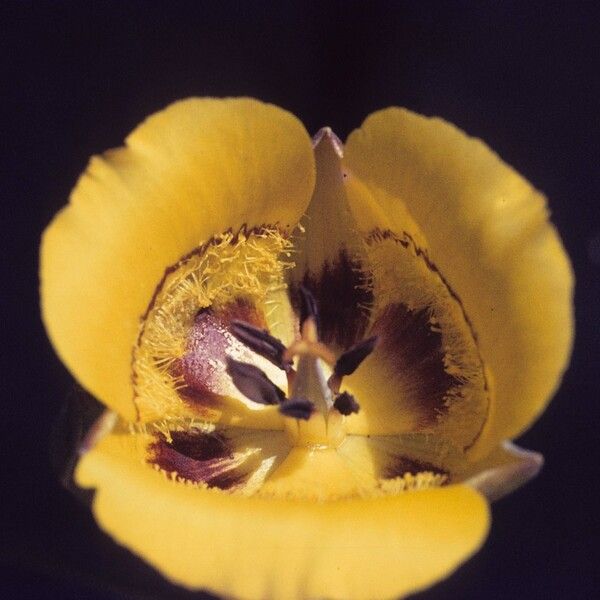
column 201, row 446
column 240, row 309
column 344, row 299
column 414, row 355
column 202, row 366
column 199, row 457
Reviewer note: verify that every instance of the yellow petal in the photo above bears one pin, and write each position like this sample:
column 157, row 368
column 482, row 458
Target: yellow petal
column 488, row 233
column 330, row 259
column 426, row 373
column 319, row 474
column 190, row 172
column 371, row 274
column 262, row 548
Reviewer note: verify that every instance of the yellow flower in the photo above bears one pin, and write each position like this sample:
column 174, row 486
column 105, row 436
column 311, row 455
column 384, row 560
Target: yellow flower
column 312, row 353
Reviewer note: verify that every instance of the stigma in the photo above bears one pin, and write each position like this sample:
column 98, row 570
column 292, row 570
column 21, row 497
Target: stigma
column 314, row 410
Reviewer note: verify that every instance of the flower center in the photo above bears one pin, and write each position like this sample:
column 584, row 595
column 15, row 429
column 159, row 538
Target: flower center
column 234, row 348
column 325, row 426
column 314, row 409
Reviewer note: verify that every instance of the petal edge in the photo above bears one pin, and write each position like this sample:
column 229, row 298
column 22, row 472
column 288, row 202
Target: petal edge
column 189, row 172
column 489, row 233
column 255, row 548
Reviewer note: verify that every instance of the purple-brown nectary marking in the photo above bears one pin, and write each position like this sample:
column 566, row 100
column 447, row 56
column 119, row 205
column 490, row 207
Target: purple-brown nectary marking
column 208, row 345
column 413, row 354
column 343, row 300
column 198, row 457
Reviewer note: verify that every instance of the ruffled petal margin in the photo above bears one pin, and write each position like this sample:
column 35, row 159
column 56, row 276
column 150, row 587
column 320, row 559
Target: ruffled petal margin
column 250, row 548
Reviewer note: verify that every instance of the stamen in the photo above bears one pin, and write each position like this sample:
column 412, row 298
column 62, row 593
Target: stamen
column 297, row 408
column 307, row 348
column 308, row 344
column 253, row 383
column 262, row 342
column 309, row 330
column 346, row 404
column 308, row 306
column 350, row 360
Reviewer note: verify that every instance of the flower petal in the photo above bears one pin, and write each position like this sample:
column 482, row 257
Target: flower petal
column 426, row 373
column 188, row 173
column 371, row 274
column 235, row 459
column 330, row 259
column 488, row 232
column 262, row 548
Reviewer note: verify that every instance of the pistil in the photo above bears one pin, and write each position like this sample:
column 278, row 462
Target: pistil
column 322, row 428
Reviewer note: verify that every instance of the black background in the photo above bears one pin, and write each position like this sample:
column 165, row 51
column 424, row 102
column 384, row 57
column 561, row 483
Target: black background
column 77, row 77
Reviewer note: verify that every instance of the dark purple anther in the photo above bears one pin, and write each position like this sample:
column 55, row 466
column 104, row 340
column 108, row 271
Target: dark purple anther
column 297, row 408
column 308, row 306
column 261, row 342
column 346, row 404
column 253, row 383
column 350, row 360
